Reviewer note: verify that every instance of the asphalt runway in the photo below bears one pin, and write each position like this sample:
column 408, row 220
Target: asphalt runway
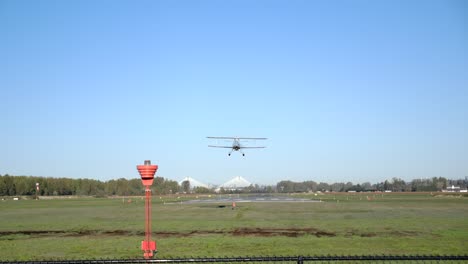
column 250, row 199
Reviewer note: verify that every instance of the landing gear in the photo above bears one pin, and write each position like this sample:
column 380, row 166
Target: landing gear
column 229, row 154
column 243, row 154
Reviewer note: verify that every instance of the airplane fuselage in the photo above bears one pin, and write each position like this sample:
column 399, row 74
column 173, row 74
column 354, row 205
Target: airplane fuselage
column 236, row 145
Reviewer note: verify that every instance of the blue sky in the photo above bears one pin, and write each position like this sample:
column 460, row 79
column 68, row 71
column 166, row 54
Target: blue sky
column 344, row 90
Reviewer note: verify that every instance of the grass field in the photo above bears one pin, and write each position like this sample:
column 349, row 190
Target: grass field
column 81, row 228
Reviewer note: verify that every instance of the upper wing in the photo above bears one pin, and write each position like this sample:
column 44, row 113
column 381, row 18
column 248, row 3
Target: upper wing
column 238, row 138
column 250, row 147
column 219, row 146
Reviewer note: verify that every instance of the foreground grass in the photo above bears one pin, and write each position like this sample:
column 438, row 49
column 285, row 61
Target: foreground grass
column 340, row 224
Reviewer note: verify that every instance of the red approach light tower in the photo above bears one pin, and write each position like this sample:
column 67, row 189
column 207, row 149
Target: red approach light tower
column 147, row 172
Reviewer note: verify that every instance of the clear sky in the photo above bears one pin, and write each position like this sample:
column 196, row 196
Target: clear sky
column 344, row 90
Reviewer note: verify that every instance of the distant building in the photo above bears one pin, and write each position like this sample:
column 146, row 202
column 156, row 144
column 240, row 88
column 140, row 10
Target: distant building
column 193, row 183
column 236, row 183
column 454, row 189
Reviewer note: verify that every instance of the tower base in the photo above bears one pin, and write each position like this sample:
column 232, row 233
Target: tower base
column 148, row 247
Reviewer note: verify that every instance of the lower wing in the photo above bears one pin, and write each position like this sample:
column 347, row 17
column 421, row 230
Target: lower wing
column 211, row 146
column 251, row 147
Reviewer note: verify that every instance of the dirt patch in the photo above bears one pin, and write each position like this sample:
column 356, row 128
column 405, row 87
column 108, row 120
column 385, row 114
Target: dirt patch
column 261, row 232
column 361, row 234
column 289, row 232
column 188, row 234
column 404, row 233
column 392, row 233
column 256, row 232
column 32, row 232
column 68, row 233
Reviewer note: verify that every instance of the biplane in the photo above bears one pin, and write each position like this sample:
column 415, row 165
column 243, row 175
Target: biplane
column 236, row 144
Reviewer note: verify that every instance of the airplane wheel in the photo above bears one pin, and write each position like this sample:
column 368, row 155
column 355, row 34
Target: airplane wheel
column 229, row 154
column 243, row 154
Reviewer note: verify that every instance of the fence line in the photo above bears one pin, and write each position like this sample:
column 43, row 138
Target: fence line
column 297, row 259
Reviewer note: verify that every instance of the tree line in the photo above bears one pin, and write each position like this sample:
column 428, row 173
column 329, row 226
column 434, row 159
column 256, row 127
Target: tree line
column 26, row 185
column 395, row 185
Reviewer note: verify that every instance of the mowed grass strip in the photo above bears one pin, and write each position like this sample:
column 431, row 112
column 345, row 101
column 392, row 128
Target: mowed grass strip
column 340, row 224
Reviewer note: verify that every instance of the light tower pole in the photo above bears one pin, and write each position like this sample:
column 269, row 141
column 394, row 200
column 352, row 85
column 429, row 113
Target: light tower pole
column 37, row 191
column 147, row 172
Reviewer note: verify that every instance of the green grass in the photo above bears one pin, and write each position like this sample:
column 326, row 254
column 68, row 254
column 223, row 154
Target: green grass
column 341, row 224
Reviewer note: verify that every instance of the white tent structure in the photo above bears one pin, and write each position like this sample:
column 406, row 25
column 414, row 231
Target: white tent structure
column 234, row 184
column 193, row 183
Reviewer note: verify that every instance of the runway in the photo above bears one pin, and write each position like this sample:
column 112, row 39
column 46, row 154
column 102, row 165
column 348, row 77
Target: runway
column 250, row 199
